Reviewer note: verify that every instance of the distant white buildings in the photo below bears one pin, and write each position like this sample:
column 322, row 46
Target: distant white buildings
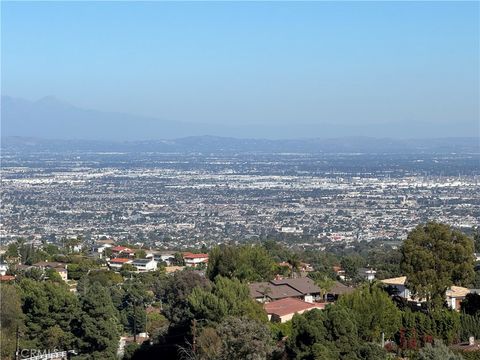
column 291, row 230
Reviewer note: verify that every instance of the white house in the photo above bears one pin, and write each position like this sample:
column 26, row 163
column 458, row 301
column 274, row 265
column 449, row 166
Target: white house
column 161, row 256
column 193, row 260
column 99, row 249
column 397, row 286
column 144, row 265
column 117, row 263
column 455, row 296
column 367, row 274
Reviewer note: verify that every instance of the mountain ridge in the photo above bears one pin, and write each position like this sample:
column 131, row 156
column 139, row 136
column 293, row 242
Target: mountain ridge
column 50, row 117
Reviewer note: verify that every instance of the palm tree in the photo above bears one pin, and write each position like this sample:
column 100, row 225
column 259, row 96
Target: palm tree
column 295, row 263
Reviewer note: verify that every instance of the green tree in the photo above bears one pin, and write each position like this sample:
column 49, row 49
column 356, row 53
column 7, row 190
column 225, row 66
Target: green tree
column 244, row 338
column 229, row 297
column 435, row 257
column 140, row 254
column 471, row 304
column 350, row 264
column 11, row 320
column 341, row 332
column 476, row 239
column 330, row 334
column 307, row 329
column 98, row 327
column 50, row 311
column 174, row 293
column 374, row 312
column 469, row 326
column 437, row 351
column 248, row 263
column 294, row 262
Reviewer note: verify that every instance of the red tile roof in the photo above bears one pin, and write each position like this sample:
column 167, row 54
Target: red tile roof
column 120, row 260
column 290, row 306
column 194, row 256
column 122, row 249
column 7, row 277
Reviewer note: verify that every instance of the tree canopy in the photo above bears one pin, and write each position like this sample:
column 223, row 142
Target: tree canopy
column 249, row 263
column 434, row 257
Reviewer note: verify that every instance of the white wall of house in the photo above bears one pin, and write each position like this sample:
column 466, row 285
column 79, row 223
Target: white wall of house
column 149, row 266
column 194, row 262
column 308, row 298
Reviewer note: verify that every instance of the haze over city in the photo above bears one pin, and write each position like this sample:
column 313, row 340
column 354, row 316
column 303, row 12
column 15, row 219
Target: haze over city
column 152, row 70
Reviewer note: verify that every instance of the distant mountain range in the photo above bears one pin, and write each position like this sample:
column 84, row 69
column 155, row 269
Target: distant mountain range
column 214, row 144
column 52, row 118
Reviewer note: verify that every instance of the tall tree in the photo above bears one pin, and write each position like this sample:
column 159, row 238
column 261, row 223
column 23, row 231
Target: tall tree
column 434, row 257
column 11, row 320
column 229, row 297
column 174, row 293
column 374, row 312
column 98, row 326
column 50, row 310
column 244, row 338
column 249, row 263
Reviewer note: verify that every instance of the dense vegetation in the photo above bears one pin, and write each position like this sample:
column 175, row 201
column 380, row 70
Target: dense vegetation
column 191, row 316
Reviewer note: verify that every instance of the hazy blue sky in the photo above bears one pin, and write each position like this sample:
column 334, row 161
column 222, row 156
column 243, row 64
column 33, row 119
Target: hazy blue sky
column 264, row 63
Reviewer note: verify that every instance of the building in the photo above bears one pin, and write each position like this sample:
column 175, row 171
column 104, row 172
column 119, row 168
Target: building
column 117, row 263
column 367, row 274
column 396, row 286
column 455, row 295
column 3, row 268
column 299, row 288
column 99, row 249
column 193, row 260
column 144, row 265
column 161, row 256
column 284, row 309
column 122, row 250
column 337, row 290
column 60, row 268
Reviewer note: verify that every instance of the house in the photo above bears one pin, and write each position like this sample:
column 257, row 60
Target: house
column 144, row 265
column 122, row 250
column 284, row 309
column 337, row 290
column 339, row 272
column 367, row 274
column 455, row 295
column 60, row 268
column 117, row 263
column 300, row 288
column 193, row 260
column 161, row 256
column 99, row 249
column 396, row 286
column 3, row 268
column 109, row 242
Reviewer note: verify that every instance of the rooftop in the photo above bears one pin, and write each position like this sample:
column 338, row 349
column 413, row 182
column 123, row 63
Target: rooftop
column 290, row 306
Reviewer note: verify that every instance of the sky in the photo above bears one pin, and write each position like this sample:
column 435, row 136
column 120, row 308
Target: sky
column 258, row 63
